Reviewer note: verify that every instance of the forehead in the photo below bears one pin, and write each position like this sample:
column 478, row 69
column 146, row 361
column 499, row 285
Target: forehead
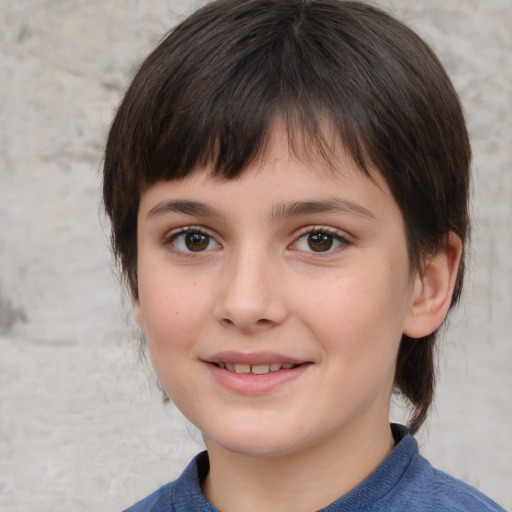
column 282, row 176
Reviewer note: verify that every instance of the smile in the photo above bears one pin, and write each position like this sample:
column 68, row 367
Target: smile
column 255, row 374
column 255, row 369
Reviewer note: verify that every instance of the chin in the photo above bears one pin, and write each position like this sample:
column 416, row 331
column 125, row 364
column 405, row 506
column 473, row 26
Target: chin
column 257, row 444
column 258, row 451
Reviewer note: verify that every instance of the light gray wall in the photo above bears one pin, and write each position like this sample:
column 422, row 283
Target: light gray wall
column 81, row 424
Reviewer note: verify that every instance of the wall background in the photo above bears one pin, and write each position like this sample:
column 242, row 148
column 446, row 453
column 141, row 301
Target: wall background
column 81, row 423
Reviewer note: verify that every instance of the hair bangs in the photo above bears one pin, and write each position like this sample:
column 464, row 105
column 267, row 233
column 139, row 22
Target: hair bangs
column 224, row 112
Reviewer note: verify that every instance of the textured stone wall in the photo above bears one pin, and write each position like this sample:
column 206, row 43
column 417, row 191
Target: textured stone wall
column 81, row 423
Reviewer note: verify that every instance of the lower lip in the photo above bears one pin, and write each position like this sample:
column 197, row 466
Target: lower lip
column 250, row 384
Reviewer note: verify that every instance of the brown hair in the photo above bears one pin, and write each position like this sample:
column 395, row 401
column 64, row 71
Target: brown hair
column 210, row 92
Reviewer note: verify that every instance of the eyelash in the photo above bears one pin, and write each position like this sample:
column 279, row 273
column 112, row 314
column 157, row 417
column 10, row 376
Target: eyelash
column 325, row 230
column 170, row 239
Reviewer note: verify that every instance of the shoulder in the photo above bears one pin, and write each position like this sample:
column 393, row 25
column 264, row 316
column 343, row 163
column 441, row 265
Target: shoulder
column 184, row 494
column 158, row 501
column 422, row 487
column 440, row 492
column 406, row 481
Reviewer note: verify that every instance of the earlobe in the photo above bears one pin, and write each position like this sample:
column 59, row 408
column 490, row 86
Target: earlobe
column 433, row 289
column 137, row 312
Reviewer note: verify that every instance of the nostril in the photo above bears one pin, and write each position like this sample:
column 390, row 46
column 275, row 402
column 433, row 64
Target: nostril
column 246, row 324
column 264, row 322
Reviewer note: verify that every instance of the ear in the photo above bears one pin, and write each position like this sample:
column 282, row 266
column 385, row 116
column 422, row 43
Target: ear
column 137, row 312
column 433, row 289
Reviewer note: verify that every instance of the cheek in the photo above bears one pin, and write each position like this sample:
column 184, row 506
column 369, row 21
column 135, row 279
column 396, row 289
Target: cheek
column 174, row 305
column 171, row 316
column 173, row 321
column 359, row 319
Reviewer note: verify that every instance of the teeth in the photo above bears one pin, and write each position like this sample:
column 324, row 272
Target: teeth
column 260, row 369
column 242, row 368
column 255, row 369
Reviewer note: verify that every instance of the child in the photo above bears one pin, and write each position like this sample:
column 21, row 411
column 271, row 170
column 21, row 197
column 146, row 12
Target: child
column 287, row 182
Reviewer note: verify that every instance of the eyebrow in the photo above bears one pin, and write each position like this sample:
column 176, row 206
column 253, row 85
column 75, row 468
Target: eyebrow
column 291, row 209
column 336, row 205
column 183, row 206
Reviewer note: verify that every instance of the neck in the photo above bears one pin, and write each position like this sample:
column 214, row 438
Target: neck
column 302, row 481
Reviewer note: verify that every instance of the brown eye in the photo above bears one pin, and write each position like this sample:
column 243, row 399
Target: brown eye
column 320, row 242
column 191, row 241
column 196, row 242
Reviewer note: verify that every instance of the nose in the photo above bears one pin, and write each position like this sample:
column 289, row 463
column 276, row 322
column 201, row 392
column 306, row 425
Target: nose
column 251, row 295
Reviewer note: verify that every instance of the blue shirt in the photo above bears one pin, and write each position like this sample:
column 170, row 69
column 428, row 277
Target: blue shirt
column 404, row 482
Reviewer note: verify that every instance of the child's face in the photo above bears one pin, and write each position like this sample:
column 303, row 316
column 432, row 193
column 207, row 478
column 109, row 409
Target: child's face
column 291, row 264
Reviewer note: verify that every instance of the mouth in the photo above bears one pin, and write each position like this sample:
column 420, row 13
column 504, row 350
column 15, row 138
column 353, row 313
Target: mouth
column 254, row 369
column 255, row 373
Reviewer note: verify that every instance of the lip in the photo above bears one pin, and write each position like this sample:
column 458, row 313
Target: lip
column 252, row 358
column 248, row 383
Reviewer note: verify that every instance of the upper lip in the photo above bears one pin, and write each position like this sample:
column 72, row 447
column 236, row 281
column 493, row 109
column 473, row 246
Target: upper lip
column 252, row 358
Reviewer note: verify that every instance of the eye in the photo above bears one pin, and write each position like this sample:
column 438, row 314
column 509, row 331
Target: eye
column 191, row 240
column 320, row 241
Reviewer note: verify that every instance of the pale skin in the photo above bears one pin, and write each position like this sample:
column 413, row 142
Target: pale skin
column 291, row 262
